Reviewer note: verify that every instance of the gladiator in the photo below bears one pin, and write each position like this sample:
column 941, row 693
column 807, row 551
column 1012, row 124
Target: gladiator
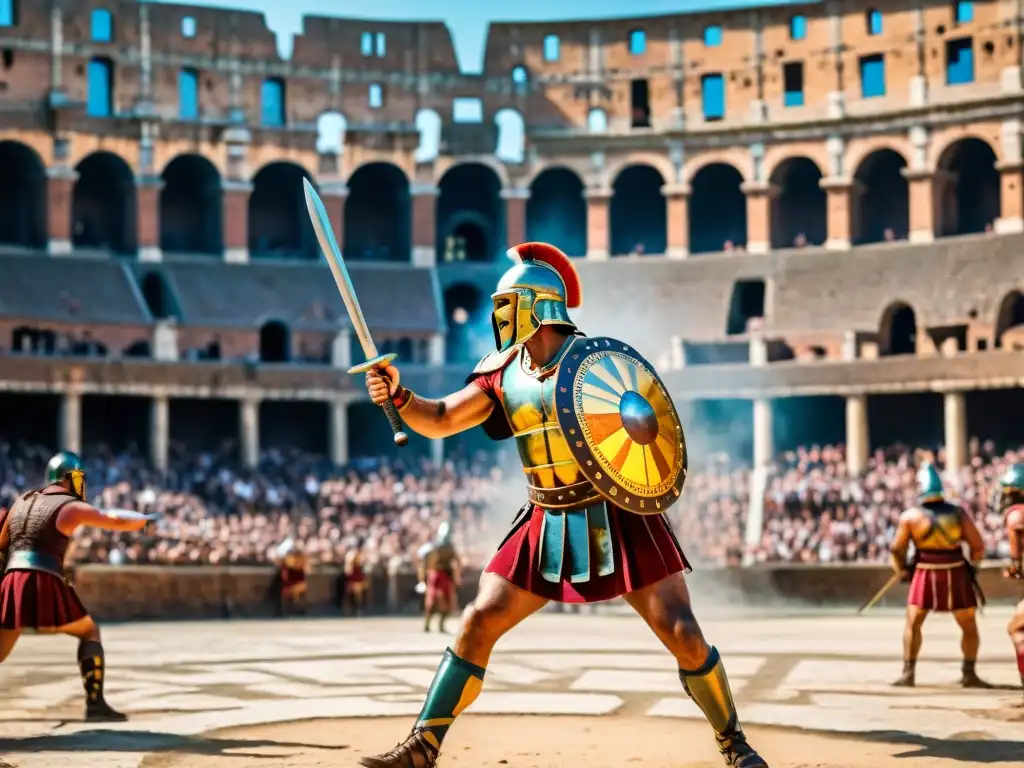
column 35, row 594
column 1011, row 503
column 603, row 456
column 440, row 573
column 942, row 577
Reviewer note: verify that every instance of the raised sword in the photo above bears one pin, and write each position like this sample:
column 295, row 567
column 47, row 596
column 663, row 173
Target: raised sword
column 325, row 236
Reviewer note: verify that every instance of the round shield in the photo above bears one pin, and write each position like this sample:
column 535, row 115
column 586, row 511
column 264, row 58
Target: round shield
column 621, row 425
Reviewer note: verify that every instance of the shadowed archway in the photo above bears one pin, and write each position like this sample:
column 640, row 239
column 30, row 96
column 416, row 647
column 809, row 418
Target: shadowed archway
column 22, row 196
column 470, row 214
column 556, row 212
column 103, row 205
column 717, row 209
column 468, row 320
column 897, row 334
column 969, row 191
column 279, row 225
column 882, row 199
column 637, row 217
column 191, row 208
column 275, row 342
column 1010, row 316
column 378, row 214
column 799, row 210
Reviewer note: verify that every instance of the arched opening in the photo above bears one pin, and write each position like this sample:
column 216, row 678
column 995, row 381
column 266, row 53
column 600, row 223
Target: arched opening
column 278, row 222
column 428, row 123
column 556, row 212
column 898, row 332
column 511, row 136
column 468, row 319
column 638, row 217
column 103, row 204
column 378, row 214
column 1010, row 316
column 275, row 342
column 882, row 200
column 190, row 207
column 470, row 214
column 597, row 120
column 330, row 133
column 969, row 191
column 799, row 211
column 157, row 296
column 746, row 306
column 22, row 196
column 718, row 209
column 24, row 340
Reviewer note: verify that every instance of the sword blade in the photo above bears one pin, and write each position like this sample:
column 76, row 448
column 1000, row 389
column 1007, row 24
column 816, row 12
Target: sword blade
column 892, row 582
column 325, row 236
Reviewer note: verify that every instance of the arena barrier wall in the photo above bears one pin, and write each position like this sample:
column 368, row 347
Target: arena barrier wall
column 121, row 593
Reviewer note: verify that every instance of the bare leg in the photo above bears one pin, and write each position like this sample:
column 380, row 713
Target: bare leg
column 92, row 665
column 666, row 608
column 8, row 639
column 1016, row 632
column 970, row 642
column 498, row 607
column 911, row 645
column 428, row 610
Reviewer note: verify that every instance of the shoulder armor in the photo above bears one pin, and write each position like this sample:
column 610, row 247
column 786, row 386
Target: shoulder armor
column 495, row 361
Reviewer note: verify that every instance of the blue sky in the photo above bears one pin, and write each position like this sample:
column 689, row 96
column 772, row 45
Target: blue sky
column 467, row 19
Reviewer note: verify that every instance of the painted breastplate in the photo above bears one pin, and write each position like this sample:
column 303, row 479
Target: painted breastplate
column 946, row 530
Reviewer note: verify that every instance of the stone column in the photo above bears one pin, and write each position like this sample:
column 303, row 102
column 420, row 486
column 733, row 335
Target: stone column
column 858, row 445
column 339, row 430
column 598, row 223
column 424, row 225
column 147, row 196
column 764, row 439
column 437, row 452
column 334, row 195
column 71, row 422
column 341, row 349
column 955, row 412
column 159, row 432
column 921, row 185
column 249, row 428
column 60, row 183
column 840, row 195
column 677, row 205
column 236, row 221
column 759, row 215
column 436, row 349
column 1011, row 198
column 515, row 215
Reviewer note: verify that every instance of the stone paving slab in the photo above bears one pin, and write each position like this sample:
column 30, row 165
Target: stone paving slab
column 183, row 682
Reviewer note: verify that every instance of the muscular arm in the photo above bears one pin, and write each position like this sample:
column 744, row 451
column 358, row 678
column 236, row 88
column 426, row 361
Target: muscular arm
column 4, row 536
column 901, row 543
column 78, row 513
column 973, row 538
column 459, row 411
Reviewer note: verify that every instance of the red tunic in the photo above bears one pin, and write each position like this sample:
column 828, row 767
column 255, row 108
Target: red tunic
column 941, row 582
column 37, row 599
column 644, row 546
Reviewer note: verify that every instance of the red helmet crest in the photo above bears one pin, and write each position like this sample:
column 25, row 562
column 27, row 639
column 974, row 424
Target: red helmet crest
column 558, row 261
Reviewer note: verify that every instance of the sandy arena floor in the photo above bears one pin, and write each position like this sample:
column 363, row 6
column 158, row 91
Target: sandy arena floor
column 563, row 690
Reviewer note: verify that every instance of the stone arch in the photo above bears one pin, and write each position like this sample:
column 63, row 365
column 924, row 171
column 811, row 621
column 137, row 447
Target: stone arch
column 278, row 221
column 556, row 212
column 717, row 208
column 331, row 128
column 275, row 342
column 881, row 198
column 470, row 214
column 103, row 204
column 1010, row 315
column 511, row 136
column 968, row 193
column 428, row 123
column 378, row 214
column 468, row 322
column 22, row 196
column 897, row 332
column 658, row 162
column 799, row 210
column 157, row 295
column 191, row 207
column 637, row 216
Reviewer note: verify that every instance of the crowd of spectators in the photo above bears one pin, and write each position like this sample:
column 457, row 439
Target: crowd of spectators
column 211, row 511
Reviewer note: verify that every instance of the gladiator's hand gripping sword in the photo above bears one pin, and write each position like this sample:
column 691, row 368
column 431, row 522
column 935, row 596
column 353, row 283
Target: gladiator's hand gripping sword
column 325, row 236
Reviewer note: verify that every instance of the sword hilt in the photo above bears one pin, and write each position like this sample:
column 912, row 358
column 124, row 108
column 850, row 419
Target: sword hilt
column 383, row 361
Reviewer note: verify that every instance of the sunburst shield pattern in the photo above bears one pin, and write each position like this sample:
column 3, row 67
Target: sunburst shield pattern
column 621, row 426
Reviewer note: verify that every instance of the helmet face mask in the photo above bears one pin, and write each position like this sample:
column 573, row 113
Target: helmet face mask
column 76, row 483
column 514, row 320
